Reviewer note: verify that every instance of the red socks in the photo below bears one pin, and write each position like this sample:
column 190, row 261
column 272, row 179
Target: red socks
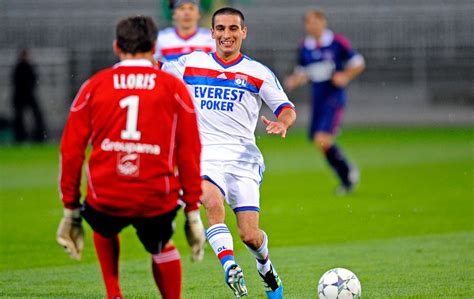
column 167, row 272
column 166, row 268
column 108, row 250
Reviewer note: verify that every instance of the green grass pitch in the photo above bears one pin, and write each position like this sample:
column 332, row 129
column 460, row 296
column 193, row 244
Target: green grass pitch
column 407, row 231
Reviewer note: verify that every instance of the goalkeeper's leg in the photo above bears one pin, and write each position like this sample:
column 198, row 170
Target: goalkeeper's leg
column 108, row 250
column 167, row 271
column 153, row 232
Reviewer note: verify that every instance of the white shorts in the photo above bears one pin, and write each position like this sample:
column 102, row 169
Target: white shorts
column 239, row 182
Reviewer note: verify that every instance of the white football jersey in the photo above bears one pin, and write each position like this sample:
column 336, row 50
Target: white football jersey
column 170, row 45
column 228, row 98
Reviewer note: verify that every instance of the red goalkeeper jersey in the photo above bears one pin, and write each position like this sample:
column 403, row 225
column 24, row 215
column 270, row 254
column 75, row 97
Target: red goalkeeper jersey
column 141, row 124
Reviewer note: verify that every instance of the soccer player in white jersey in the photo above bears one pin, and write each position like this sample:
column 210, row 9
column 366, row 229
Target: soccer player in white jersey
column 186, row 36
column 228, row 89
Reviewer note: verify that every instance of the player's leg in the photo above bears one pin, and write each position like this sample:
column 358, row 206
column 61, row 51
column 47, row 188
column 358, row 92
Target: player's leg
column 153, row 232
column 244, row 197
column 108, row 250
column 106, row 242
column 39, row 132
column 334, row 156
column 218, row 233
column 18, row 119
column 324, row 135
column 256, row 241
column 213, row 201
column 167, row 271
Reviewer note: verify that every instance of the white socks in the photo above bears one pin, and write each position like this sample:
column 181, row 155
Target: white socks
column 221, row 242
column 261, row 255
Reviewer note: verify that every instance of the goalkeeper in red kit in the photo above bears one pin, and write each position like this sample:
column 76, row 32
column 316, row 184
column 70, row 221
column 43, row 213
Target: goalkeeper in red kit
column 141, row 125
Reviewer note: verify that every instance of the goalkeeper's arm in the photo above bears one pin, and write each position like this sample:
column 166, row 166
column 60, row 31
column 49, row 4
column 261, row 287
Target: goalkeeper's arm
column 188, row 153
column 70, row 233
column 195, row 236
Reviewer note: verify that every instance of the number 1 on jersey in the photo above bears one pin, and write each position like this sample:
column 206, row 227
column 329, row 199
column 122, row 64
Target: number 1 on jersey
column 130, row 132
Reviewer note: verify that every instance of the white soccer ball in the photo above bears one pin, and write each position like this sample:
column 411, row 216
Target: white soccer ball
column 339, row 283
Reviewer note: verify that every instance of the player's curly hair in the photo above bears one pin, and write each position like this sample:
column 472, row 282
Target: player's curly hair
column 136, row 34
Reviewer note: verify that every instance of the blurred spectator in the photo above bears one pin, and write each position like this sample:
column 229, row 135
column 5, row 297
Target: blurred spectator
column 186, row 36
column 24, row 80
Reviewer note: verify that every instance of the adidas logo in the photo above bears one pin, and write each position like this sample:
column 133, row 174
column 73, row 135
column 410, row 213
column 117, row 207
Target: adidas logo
column 222, row 76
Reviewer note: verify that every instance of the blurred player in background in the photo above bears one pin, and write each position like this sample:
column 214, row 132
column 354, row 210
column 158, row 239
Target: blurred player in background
column 186, row 36
column 330, row 63
column 142, row 125
column 228, row 90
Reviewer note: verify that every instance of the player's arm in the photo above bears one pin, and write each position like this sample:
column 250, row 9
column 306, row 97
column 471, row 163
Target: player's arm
column 272, row 93
column 188, row 147
column 70, row 233
column 175, row 67
column 298, row 78
column 285, row 120
column 74, row 142
column 158, row 56
column 354, row 66
column 341, row 79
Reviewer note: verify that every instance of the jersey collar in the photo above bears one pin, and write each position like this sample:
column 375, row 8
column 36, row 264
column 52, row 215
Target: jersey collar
column 227, row 64
column 185, row 37
column 326, row 39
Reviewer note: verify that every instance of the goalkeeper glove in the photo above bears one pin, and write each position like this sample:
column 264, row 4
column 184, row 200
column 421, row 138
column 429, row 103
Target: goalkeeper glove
column 70, row 233
column 195, row 235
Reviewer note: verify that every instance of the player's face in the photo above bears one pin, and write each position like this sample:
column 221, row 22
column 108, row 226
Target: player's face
column 186, row 16
column 314, row 25
column 229, row 34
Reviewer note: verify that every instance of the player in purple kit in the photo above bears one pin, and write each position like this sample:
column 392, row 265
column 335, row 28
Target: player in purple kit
column 330, row 63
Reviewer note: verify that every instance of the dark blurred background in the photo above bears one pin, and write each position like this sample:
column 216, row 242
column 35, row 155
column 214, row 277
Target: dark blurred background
column 419, row 54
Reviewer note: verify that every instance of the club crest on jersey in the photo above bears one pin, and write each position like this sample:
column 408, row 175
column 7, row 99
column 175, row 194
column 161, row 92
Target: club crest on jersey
column 128, row 164
column 241, row 80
